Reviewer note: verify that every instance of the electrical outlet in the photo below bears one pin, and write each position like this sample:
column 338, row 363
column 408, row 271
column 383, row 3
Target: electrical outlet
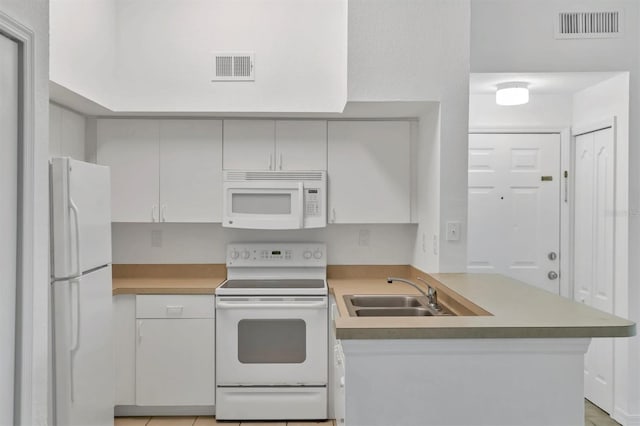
column 156, row 238
column 364, row 237
column 453, row 231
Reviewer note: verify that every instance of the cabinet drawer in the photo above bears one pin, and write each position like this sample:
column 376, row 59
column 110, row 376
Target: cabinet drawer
column 175, row 306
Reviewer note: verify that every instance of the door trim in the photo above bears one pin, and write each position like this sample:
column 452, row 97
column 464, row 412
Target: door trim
column 565, row 270
column 26, row 203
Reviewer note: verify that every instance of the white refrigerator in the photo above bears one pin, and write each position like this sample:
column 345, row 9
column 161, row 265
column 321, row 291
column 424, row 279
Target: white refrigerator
column 83, row 367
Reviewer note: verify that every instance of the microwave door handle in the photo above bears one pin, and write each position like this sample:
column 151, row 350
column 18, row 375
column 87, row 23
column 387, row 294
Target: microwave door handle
column 301, row 204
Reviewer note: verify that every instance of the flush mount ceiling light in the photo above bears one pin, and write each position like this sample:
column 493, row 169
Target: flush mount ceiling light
column 512, row 93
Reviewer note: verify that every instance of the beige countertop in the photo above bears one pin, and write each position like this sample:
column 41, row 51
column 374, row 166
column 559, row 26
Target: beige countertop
column 494, row 306
column 167, row 279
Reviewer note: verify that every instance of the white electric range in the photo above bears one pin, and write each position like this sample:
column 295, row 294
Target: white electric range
column 271, row 333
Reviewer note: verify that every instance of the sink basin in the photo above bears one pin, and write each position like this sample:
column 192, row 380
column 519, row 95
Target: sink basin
column 385, row 301
column 391, row 305
column 394, row 312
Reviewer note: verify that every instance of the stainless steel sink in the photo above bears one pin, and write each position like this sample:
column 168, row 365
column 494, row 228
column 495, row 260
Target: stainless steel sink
column 385, row 301
column 394, row 312
column 391, row 305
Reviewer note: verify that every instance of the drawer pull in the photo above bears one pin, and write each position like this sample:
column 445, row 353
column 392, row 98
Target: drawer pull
column 174, row 310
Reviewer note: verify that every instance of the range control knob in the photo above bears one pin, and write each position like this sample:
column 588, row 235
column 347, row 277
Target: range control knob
column 317, row 254
column 246, row 254
column 307, row 254
column 234, row 254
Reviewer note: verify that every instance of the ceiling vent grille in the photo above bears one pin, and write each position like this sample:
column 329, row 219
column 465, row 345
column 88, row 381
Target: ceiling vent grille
column 571, row 25
column 237, row 66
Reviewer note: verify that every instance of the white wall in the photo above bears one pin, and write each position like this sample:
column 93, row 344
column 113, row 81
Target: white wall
column 156, row 55
column 418, row 50
column 83, row 47
column 426, row 248
column 33, row 339
column 544, row 111
column 66, row 133
column 517, row 36
column 206, row 243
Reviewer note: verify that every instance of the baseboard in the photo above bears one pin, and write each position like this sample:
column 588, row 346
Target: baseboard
column 624, row 418
column 136, row 410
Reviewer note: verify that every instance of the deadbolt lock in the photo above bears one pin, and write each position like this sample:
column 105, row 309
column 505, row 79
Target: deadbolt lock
column 552, row 255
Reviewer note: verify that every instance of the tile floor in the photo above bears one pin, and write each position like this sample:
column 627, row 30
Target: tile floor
column 593, row 416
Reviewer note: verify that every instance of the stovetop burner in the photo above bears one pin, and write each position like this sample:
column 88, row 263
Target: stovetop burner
column 280, row 283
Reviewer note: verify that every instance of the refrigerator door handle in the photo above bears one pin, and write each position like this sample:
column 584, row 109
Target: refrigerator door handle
column 74, row 209
column 75, row 329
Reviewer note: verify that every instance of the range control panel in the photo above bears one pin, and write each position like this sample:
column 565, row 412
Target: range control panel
column 282, row 255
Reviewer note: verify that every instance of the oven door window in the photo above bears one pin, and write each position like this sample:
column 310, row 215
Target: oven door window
column 260, row 203
column 272, row 341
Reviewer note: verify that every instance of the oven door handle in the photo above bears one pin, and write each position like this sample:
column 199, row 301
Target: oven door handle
column 265, row 305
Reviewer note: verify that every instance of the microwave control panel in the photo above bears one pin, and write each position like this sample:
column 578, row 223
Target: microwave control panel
column 312, row 202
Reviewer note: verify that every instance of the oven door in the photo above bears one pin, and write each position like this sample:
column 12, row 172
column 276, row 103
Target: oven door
column 278, row 341
column 263, row 205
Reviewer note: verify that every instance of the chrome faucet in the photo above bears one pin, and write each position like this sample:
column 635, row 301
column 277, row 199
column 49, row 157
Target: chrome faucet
column 431, row 294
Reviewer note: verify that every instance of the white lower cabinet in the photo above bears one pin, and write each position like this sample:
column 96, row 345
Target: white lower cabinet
column 124, row 341
column 165, row 350
column 339, row 390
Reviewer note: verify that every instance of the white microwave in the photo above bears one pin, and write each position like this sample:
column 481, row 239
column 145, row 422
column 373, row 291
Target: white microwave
column 274, row 199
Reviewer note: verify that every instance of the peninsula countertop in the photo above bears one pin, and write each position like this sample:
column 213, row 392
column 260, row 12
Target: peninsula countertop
column 504, row 308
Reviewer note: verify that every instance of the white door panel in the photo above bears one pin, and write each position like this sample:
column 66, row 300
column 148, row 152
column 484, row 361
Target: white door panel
column 514, row 213
column 594, row 252
column 8, row 221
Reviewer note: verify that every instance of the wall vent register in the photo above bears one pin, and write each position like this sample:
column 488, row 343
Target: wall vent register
column 601, row 24
column 234, row 66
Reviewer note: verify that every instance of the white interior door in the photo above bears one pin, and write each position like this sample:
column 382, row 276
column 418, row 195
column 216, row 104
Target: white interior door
column 514, row 207
column 9, row 68
column 594, row 253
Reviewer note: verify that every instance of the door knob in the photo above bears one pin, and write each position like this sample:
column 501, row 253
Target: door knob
column 552, row 275
column 552, row 255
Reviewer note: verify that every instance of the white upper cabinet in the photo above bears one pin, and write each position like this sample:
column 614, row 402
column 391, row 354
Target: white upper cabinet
column 163, row 170
column 130, row 148
column 369, row 169
column 301, row 145
column 190, row 170
column 249, row 144
column 275, row 145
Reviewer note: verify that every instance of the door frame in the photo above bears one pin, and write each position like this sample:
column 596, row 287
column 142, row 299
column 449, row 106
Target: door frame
column 23, row 382
column 565, row 271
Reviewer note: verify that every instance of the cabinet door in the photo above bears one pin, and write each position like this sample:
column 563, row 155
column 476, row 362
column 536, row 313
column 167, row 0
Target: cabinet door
column 175, row 362
column 124, row 340
column 190, row 170
column 249, row 145
column 301, row 145
column 130, row 148
column 369, row 168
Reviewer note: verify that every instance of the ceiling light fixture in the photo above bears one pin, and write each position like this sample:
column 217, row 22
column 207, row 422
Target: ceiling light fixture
column 512, row 93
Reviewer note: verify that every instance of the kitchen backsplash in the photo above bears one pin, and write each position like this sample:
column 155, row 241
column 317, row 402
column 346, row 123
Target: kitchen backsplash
column 205, row 243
